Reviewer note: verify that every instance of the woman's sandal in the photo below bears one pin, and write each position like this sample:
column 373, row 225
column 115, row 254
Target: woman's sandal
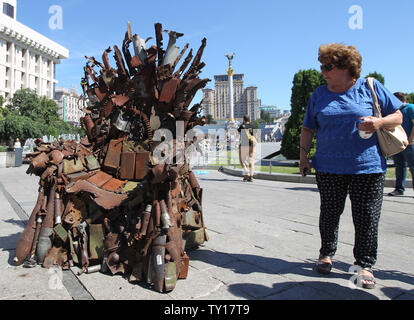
column 364, row 277
column 324, row 267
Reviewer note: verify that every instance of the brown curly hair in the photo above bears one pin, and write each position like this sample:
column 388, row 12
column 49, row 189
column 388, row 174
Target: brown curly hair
column 342, row 56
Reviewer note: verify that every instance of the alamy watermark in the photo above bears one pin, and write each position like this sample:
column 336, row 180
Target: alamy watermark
column 356, row 22
column 215, row 145
column 56, row 20
column 356, row 279
column 56, row 277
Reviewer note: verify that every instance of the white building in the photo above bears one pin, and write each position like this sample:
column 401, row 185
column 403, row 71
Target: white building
column 70, row 107
column 27, row 58
column 273, row 111
column 216, row 102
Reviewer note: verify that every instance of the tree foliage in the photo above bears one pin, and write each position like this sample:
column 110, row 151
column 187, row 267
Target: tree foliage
column 29, row 116
column 210, row 119
column 410, row 97
column 377, row 76
column 304, row 83
column 265, row 117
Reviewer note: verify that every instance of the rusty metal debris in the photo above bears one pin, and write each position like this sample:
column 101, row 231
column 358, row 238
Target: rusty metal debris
column 106, row 203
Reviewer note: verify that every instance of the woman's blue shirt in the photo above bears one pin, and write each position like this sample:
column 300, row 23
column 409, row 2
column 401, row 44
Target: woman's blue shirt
column 335, row 118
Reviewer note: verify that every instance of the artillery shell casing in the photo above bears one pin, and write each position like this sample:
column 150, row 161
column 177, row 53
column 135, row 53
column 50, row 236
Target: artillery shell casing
column 93, row 269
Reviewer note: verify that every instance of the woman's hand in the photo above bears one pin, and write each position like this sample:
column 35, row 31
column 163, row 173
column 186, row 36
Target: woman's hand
column 306, row 137
column 304, row 167
column 370, row 124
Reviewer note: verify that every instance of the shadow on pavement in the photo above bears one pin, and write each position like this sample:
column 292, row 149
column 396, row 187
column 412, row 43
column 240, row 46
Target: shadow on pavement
column 9, row 243
column 16, row 222
column 300, row 291
column 249, row 263
column 303, row 189
column 216, row 180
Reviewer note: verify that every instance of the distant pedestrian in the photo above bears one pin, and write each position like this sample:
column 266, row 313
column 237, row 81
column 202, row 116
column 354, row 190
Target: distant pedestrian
column 406, row 157
column 17, row 144
column 11, row 144
column 247, row 148
column 344, row 162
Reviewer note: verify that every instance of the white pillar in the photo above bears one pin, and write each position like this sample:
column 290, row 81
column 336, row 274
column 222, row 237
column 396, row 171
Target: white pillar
column 230, row 72
column 12, row 61
column 231, row 94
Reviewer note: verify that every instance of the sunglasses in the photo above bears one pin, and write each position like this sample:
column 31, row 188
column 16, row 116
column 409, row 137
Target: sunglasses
column 327, row 67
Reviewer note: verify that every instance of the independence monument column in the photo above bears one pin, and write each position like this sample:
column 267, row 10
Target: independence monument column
column 230, row 72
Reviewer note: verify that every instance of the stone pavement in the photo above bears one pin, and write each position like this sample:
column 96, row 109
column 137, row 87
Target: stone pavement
column 264, row 242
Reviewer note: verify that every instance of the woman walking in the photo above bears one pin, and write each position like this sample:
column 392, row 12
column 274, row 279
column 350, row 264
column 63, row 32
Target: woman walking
column 348, row 159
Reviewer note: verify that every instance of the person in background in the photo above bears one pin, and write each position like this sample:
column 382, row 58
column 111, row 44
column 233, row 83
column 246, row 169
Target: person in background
column 406, row 157
column 344, row 162
column 247, row 148
column 10, row 144
column 17, row 144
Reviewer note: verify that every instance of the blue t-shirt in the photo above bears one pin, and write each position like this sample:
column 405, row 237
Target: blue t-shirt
column 408, row 117
column 335, row 117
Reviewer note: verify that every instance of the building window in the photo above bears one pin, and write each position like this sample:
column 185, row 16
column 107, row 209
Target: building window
column 8, row 9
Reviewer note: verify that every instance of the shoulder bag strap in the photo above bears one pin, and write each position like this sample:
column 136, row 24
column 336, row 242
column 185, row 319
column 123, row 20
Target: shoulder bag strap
column 376, row 105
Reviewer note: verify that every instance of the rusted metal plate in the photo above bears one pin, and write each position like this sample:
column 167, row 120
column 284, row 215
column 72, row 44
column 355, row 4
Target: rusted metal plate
column 168, row 90
column 113, row 184
column 120, row 99
column 113, row 155
column 92, row 163
column 141, row 164
column 105, row 199
column 96, row 238
column 100, row 178
column 127, row 169
column 79, row 176
column 72, row 166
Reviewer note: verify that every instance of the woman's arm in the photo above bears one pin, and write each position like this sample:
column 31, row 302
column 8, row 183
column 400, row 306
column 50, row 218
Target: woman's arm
column 371, row 124
column 306, row 137
column 411, row 137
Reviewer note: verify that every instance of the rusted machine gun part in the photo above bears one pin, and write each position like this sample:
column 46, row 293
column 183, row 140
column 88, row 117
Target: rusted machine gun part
column 46, row 231
column 26, row 239
column 44, row 244
column 145, row 220
column 165, row 216
column 58, row 208
column 83, row 246
column 157, row 261
column 31, row 262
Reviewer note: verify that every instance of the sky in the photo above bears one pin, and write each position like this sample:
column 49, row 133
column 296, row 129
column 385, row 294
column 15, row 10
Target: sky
column 271, row 39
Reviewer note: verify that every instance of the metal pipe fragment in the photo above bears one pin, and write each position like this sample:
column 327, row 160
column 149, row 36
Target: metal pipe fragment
column 172, row 51
column 165, row 216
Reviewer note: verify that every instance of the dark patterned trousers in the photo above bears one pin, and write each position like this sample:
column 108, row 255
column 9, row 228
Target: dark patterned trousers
column 366, row 193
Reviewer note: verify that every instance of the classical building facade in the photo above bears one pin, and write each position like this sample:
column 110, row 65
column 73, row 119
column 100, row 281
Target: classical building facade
column 216, row 102
column 70, row 106
column 27, row 58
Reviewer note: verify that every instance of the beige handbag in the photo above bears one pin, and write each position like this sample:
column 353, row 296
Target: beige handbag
column 390, row 141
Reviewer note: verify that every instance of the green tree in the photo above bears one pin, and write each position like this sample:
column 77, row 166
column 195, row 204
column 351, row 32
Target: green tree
column 377, row 76
column 29, row 116
column 304, row 83
column 410, row 97
column 210, row 119
column 25, row 102
column 265, row 117
column 1, row 100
